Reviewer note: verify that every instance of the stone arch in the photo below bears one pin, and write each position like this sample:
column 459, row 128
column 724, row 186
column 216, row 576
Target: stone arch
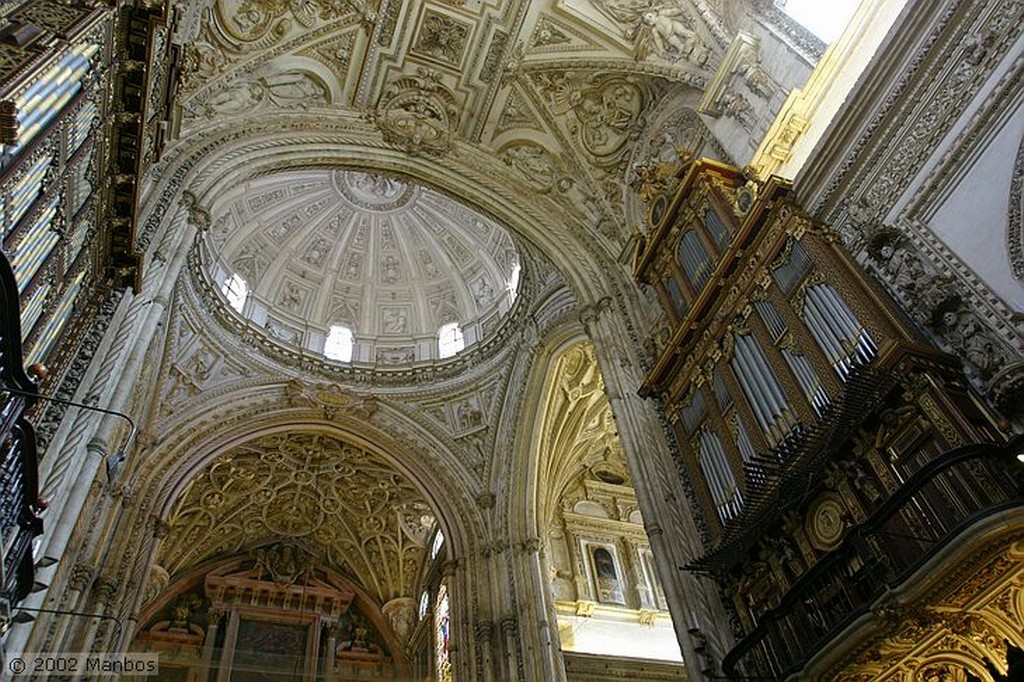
column 214, row 161
column 159, row 473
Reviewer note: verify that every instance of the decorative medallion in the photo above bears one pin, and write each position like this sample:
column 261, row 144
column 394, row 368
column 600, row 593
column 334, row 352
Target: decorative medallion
column 826, row 522
column 418, row 114
column 373, row 191
column 442, row 38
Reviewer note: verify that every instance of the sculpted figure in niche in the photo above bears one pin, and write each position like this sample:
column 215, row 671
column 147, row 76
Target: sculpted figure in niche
column 291, row 297
column 483, row 293
column 468, row 415
column 395, row 321
column 391, row 271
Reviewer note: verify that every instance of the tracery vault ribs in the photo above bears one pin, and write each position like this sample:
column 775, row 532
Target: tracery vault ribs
column 342, row 502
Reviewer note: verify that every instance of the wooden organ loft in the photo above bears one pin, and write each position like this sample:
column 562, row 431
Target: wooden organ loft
column 82, row 115
column 831, row 450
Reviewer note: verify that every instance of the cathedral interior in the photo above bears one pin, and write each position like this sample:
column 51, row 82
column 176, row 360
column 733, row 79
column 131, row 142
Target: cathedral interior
column 522, row 340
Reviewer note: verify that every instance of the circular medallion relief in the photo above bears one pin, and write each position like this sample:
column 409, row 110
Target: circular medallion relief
column 293, row 515
column 373, row 191
column 826, row 523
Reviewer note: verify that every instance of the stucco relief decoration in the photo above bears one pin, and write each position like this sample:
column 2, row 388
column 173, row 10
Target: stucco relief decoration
column 932, row 301
column 665, row 30
column 373, row 191
column 443, row 38
column 345, row 502
column 234, row 27
column 258, row 23
column 606, row 109
column 288, row 90
column 418, row 114
column 533, row 162
column 331, row 399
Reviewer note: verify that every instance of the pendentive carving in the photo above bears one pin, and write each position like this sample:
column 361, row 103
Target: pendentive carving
column 418, row 114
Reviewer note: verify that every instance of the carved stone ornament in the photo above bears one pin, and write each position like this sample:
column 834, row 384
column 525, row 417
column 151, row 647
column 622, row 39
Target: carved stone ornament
column 417, row 114
column 284, row 563
column 331, row 398
column 442, row 38
column 345, row 504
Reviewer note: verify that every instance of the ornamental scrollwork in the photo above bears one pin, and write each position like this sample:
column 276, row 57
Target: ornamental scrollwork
column 308, row 488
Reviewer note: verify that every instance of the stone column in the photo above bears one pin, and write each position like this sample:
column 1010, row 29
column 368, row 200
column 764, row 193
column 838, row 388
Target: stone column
column 664, row 502
column 331, row 651
column 214, row 617
column 227, row 656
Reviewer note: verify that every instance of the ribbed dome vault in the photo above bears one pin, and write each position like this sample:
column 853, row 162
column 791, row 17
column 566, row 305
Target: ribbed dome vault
column 388, row 259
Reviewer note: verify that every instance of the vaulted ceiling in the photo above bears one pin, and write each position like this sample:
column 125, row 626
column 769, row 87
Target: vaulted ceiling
column 390, row 260
column 560, row 90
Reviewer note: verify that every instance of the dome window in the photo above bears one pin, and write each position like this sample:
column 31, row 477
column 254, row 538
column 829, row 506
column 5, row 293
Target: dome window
column 435, row 547
column 513, row 282
column 236, row 290
column 339, row 344
column 450, row 340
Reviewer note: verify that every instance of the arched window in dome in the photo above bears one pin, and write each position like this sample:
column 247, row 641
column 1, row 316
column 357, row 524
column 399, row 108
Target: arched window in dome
column 435, row 547
column 424, row 604
column 236, row 290
column 442, row 635
column 450, row 340
column 339, row 343
column 513, row 282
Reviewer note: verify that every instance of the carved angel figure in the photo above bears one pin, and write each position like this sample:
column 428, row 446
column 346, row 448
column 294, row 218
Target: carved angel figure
column 664, row 29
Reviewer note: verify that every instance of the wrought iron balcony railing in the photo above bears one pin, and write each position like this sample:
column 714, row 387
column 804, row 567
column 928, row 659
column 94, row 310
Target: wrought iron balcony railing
column 934, row 506
column 19, row 470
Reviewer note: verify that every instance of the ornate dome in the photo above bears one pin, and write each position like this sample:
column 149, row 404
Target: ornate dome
column 301, row 252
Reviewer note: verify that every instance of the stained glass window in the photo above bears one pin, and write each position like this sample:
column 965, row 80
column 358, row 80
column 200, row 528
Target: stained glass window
column 442, row 635
column 424, row 604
